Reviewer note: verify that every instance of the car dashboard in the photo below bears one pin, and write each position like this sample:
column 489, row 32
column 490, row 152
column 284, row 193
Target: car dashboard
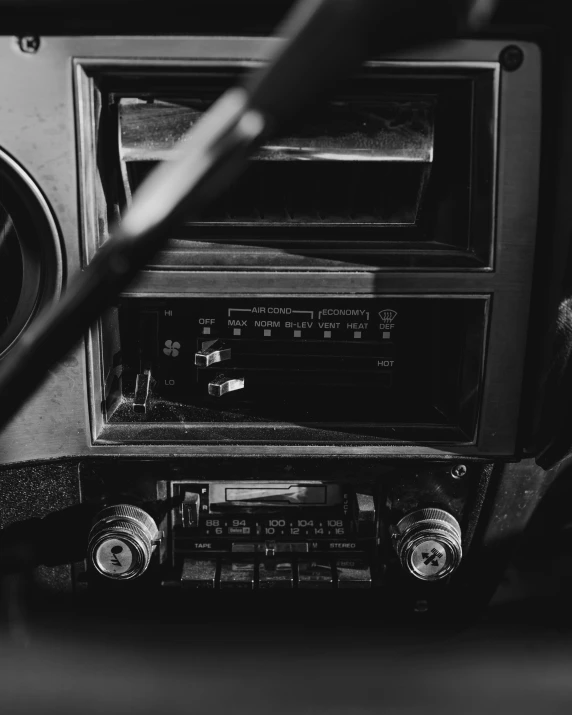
column 340, row 387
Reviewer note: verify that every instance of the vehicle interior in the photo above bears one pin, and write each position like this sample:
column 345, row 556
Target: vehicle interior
column 285, row 355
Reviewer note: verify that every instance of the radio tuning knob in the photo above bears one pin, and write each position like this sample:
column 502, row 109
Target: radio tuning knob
column 428, row 543
column 121, row 542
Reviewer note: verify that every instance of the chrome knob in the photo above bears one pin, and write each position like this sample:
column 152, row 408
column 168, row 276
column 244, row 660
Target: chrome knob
column 122, row 541
column 428, row 543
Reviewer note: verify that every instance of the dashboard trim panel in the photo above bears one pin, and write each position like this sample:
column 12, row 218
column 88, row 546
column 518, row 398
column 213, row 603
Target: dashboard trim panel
column 60, row 422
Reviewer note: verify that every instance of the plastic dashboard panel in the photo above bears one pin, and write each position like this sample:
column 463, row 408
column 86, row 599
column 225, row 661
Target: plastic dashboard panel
column 47, row 130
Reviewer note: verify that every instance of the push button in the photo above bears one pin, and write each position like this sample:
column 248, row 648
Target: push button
column 315, row 574
column 353, row 573
column 237, row 574
column 199, row 573
column 275, row 574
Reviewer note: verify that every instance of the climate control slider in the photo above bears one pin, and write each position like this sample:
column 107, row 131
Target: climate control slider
column 211, row 352
column 223, row 384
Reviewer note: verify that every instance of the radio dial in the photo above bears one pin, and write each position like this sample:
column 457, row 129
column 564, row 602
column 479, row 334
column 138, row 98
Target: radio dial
column 122, row 541
column 428, row 543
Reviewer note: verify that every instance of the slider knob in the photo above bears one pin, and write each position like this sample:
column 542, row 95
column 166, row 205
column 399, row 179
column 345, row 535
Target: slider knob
column 121, row 542
column 211, row 352
column 428, row 543
column 223, row 384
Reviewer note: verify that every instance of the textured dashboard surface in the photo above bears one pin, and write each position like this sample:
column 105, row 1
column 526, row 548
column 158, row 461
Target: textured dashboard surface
column 37, row 491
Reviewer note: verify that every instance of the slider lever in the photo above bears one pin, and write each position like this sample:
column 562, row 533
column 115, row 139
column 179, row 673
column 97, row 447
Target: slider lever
column 142, row 389
column 222, row 384
column 190, row 509
column 211, row 352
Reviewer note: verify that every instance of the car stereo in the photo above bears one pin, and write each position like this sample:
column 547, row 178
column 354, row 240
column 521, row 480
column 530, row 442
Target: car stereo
column 278, row 525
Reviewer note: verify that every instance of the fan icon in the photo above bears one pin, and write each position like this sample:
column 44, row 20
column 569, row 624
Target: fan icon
column 171, row 348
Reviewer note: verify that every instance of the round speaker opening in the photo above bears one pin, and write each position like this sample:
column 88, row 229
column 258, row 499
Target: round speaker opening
column 30, row 257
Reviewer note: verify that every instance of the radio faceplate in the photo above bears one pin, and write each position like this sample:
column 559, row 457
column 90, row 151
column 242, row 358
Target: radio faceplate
column 273, row 535
column 297, row 525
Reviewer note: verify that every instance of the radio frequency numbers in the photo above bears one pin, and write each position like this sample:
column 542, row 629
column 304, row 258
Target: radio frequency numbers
column 231, row 527
column 274, row 527
column 305, row 527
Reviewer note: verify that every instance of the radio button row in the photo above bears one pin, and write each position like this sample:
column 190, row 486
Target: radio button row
column 276, row 574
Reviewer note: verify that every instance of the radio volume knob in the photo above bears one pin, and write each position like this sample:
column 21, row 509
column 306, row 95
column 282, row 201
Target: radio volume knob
column 122, row 541
column 428, row 543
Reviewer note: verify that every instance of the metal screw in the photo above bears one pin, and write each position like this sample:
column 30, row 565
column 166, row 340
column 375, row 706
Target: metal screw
column 511, row 58
column 458, row 471
column 29, row 44
column 421, row 606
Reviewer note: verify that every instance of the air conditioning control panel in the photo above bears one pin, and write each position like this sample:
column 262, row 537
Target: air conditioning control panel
column 385, row 364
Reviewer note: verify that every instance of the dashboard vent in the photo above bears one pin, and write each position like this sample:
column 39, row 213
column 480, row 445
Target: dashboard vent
column 358, row 163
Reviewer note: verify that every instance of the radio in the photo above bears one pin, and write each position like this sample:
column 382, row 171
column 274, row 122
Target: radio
column 273, row 528
column 288, row 532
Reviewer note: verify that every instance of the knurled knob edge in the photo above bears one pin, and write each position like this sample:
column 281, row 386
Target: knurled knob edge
column 422, row 516
column 134, row 513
